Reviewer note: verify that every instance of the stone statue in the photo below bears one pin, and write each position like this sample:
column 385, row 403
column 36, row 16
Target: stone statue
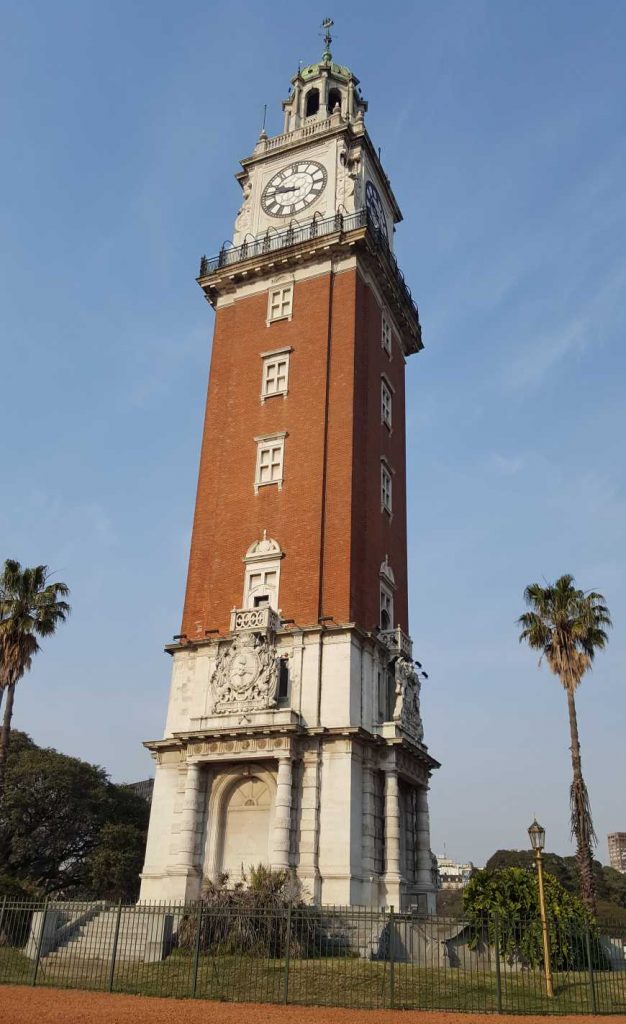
column 244, row 217
column 406, row 710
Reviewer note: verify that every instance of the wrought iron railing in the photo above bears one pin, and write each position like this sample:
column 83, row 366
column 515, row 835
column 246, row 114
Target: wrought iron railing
column 334, row 956
column 296, row 234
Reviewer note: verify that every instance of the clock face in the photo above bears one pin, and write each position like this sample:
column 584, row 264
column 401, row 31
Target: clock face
column 375, row 209
column 294, row 188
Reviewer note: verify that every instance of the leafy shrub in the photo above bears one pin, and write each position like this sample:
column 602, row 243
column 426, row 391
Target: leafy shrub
column 264, row 915
column 503, row 905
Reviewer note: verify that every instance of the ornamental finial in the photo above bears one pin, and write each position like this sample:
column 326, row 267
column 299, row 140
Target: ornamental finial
column 327, row 24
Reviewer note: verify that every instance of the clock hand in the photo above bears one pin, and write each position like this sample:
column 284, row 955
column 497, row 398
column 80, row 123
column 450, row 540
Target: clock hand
column 289, row 188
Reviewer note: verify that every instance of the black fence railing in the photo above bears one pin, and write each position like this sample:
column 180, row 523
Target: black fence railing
column 325, row 956
column 296, row 234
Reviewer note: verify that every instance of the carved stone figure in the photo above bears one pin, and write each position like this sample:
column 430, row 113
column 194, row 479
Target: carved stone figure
column 242, row 223
column 407, row 706
column 245, row 676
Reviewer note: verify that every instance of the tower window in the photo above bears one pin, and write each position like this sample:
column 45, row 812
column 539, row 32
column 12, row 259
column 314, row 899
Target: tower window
column 386, row 608
column 262, row 576
column 280, row 303
column 334, row 100
column 312, row 102
column 283, row 681
column 275, row 373
column 385, row 404
column 385, row 489
column 385, row 334
column 269, row 461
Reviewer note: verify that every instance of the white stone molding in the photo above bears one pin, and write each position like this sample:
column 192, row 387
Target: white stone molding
column 254, row 620
column 245, row 677
column 387, row 574
column 281, row 833
column 262, row 571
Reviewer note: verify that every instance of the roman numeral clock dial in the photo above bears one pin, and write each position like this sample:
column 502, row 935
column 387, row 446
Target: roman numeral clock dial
column 294, row 188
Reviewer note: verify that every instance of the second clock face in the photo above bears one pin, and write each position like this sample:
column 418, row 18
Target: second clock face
column 294, row 188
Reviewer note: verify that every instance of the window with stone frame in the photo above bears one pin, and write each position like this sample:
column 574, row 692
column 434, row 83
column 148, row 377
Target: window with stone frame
column 275, row 375
column 261, row 588
column 385, row 403
column 379, row 822
column 385, row 488
column 270, row 459
column 385, row 333
column 282, row 692
column 386, row 607
column 280, row 303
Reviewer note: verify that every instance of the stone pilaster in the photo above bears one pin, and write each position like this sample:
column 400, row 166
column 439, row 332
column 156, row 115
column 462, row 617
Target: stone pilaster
column 282, row 815
column 308, row 870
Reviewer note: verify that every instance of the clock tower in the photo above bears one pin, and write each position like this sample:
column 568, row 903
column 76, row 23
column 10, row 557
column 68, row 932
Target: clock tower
column 294, row 736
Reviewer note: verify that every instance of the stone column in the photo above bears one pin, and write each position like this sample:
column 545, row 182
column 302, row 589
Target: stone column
column 189, row 817
column 424, row 877
column 282, row 816
column 392, row 827
column 369, row 814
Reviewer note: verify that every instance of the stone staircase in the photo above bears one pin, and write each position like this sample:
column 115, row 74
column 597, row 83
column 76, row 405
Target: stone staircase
column 144, row 934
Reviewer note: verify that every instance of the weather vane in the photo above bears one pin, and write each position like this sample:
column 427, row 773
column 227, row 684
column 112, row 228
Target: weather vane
column 327, row 24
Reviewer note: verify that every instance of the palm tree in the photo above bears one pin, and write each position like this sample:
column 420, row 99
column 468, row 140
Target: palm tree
column 30, row 606
column 568, row 626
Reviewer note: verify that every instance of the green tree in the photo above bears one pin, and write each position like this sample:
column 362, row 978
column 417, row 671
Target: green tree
column 568, row 626
column 30, row 607
column 65, row 829
column 508, row 899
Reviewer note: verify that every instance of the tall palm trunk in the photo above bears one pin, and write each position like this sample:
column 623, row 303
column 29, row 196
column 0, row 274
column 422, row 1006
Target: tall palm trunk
column 5, row 734
column 582, row 824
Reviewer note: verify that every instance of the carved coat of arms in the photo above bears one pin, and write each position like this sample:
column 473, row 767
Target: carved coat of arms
column 245, row 676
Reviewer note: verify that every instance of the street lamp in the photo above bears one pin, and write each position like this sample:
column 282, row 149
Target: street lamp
column 537, row 836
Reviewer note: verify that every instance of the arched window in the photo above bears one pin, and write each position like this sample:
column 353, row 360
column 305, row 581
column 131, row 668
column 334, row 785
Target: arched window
column 312, row 102
column 334, row 99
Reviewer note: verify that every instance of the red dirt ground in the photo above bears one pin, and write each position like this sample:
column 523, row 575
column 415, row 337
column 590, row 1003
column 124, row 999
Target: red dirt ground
column 22, row 1005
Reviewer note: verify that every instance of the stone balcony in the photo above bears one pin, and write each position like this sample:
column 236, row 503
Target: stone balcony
column 398, row 642
column 254, row 620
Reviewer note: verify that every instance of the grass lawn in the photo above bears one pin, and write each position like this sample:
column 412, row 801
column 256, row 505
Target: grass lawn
column 327, row 982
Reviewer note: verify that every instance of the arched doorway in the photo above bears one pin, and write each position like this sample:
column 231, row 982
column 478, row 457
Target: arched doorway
column 246, row 824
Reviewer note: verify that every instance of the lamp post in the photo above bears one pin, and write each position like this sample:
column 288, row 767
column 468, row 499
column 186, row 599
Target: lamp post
column 537, row 841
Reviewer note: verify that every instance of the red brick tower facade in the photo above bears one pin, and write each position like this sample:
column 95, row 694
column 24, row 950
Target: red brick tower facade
column 294, row 691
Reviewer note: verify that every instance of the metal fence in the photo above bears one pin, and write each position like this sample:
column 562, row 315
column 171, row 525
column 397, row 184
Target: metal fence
column 325, row 956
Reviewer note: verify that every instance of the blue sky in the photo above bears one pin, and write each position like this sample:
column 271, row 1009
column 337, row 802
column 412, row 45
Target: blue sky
column 502, row 128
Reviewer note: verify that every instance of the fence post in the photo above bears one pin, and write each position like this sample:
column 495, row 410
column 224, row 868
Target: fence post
column 287, row 949
column 196, row 954
column 392, row 962
column 496, row 942
column 592, row 985
column 2, row 913
column 40, row 942
column 116, row 935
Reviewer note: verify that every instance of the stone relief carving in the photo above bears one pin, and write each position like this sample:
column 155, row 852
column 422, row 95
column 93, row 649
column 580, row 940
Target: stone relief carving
column 407, row 706
column 245, row 676
column 348, row 179
column 244, row 217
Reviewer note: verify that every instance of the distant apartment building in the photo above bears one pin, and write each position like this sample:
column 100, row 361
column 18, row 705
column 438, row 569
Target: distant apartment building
column 453, row 875
column 617, row 851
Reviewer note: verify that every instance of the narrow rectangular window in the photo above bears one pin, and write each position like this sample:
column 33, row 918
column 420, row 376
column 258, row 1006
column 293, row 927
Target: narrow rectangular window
column 275, row 379
column 386, row 608
column 385, row 489
column 385, row 404
column 280, row 303
column 269, row 461
column 385, row 336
